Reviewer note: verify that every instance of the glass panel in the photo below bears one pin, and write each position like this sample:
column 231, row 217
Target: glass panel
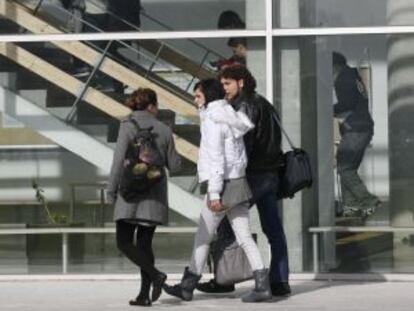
column 42, row 136
column 371, row 163
column 338, row 13
column 124, row 15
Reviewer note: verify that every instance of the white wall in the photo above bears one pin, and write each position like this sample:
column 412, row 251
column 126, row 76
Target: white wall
column 340, row 13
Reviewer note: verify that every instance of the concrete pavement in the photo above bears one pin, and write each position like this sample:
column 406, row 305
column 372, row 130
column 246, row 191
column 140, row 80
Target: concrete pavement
column 101, row 295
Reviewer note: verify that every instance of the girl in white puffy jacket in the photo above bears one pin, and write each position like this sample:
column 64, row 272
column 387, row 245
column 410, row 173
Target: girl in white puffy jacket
column 222, row 164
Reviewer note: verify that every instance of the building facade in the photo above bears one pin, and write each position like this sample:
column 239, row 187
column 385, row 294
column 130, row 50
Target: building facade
column 65, row 71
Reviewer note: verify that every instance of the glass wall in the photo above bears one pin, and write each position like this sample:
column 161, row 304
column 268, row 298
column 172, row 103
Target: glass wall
column 355, row 97
column 59, row 123
column 337, row 13
column 145, row 15
column 346, row 99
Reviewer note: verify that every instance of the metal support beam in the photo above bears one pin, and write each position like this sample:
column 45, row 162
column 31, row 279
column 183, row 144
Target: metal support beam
column 315, row 252
column 64, row 253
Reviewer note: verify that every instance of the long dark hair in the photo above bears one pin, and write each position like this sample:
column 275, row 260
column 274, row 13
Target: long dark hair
column 211, row 88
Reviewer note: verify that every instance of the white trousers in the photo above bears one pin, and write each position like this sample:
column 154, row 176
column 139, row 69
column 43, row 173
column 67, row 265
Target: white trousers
column 209, row 221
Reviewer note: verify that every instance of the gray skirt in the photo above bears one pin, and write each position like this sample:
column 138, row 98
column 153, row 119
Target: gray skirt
column 235, row 192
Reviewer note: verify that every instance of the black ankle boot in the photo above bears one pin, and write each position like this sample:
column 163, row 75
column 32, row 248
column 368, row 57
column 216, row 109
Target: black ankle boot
column 213, row 287
column 141, row 301
column 184, row 290
column 157, row 285
column 280, row 289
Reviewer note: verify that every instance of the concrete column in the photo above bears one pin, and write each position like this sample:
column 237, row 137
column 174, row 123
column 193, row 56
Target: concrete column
column 304, row 91
column 288, row 94
column 401, row 129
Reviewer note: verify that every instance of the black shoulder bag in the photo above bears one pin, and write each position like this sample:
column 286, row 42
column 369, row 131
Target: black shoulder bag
column 295, row 172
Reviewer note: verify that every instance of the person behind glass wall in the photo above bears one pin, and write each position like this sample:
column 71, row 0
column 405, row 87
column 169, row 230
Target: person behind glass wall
column 231, row 20
column 151, row 209
column 239, row 49
column 356, row 128
column 108, row 16
column 263, row 145
column 222, row 163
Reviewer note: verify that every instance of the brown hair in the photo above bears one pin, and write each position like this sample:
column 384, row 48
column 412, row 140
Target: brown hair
column 239, row 72
column 141, row 99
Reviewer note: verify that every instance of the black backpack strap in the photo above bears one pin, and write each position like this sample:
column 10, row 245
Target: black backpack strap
column 133, row 121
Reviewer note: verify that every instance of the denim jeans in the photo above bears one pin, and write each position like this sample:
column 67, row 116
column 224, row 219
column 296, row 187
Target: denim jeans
column 264, row 189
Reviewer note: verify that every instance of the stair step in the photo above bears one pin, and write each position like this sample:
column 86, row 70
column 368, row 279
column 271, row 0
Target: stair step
column 189, row 132
column 54, row 56
column 8, row 27
column 27, row 80
column 8, row 65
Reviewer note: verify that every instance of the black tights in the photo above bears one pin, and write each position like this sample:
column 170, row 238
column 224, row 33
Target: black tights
column 140, row 254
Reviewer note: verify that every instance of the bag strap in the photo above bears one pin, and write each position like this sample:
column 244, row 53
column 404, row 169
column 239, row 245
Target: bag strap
column 133, row 121
column 275, row 116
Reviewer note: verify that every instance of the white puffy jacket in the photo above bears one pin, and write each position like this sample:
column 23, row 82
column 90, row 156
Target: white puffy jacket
column 222, row 154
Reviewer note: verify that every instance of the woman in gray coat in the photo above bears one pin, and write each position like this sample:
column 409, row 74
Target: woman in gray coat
column 149, row 209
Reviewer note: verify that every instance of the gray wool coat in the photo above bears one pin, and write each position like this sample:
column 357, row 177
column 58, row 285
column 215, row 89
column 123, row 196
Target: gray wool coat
column 152, row 207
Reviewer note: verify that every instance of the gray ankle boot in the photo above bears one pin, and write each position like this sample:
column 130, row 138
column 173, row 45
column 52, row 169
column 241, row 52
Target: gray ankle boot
column 261, row 291
column 185, row 289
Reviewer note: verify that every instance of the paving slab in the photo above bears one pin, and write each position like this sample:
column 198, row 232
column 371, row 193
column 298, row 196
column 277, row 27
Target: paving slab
column 113, row 295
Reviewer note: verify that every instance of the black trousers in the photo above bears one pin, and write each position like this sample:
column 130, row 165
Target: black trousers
column 140, row 254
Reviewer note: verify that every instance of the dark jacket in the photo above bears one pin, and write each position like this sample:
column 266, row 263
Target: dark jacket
column 352, row 103
column 153, row 206
column 263, row 143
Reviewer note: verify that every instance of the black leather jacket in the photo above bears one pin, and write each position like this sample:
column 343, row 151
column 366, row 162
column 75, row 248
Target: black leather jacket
column 263, row 143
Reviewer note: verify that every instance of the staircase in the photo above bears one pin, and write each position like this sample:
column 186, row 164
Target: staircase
column 43, row 89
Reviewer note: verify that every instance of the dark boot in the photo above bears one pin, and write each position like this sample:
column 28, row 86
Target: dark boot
column 185, row 289
column 261, row 291
column 280, row 289
column 213, row 287
column 157, row 285
column 139, row 301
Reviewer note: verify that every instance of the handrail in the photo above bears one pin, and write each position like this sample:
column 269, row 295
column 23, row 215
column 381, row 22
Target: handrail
column 158, row 22
column 65, row 231
column 86, row 230
column 85, row 22
column 359, row 229
column 131, row 48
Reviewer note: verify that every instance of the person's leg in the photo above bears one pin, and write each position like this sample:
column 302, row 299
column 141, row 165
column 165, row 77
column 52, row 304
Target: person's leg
column 273, row 229
column 144, row 242
column 349, row 157
column 203, row 237
column 224, row 232
column 207, row 226
column 239, row 219
column 124, row 236
column 264, row 188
